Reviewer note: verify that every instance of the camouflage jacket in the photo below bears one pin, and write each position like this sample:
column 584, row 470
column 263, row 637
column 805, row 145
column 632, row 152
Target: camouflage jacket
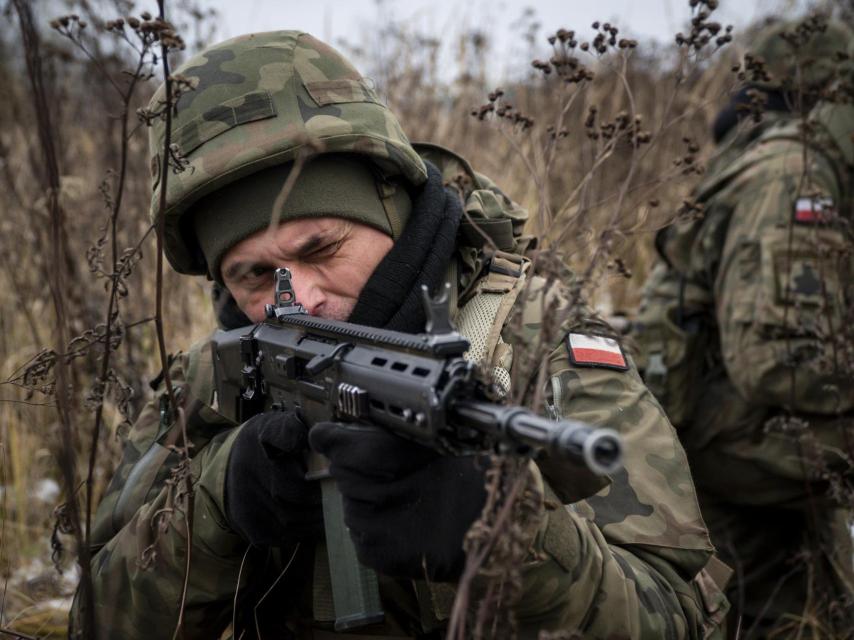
column 741, row 330
column 632, row 561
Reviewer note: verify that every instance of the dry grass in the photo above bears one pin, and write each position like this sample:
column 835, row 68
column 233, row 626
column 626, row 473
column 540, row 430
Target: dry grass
column 677, row 98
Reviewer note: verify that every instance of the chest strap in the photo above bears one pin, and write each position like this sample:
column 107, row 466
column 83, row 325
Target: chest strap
column 484, row 313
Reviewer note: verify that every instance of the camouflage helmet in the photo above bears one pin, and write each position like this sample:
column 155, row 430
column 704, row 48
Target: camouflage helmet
column 258, row 101
column 808, row 48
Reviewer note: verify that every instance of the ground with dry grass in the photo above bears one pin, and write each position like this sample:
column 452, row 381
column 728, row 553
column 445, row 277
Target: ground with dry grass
column 601, row 162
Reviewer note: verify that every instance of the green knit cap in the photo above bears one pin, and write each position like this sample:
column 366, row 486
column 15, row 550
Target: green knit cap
column 329, row 185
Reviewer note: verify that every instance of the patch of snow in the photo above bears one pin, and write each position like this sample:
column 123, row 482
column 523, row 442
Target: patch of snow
column 63, row 604
column 29, row 571
column 70, row 578
column 45, row 490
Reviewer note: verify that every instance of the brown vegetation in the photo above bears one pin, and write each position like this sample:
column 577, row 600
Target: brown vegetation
column 601, row 141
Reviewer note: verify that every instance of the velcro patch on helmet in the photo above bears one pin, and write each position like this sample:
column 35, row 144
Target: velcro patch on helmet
column 595, row 351
column 814, row 210
column 326, row 92
column 250, row 107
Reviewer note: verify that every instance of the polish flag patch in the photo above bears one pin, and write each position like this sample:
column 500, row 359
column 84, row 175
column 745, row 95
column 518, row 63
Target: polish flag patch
column 814, row 210
column 595, row 351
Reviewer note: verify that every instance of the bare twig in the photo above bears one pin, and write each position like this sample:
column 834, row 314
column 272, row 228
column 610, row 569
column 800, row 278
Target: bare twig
column 115, row 275
column 158, row 316
column 58, row 291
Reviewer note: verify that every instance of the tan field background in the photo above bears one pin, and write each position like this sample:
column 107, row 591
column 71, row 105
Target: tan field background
column 586, row 192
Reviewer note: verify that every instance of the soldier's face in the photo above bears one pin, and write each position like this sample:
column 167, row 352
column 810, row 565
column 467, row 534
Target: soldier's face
column 330, row 260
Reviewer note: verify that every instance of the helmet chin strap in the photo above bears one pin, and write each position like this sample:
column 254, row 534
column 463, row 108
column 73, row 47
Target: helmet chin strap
column 396, row 204
column 394, row 197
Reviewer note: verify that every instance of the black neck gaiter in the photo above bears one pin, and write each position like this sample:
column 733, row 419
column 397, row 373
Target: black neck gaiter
column 739, row 106
column 391, row 299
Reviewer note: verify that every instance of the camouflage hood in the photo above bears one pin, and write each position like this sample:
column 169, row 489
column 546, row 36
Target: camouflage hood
column 837, row 123
column 257, row 101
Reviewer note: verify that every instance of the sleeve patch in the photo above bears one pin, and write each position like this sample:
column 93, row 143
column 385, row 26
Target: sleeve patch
column 595, row 351
column 814, row 210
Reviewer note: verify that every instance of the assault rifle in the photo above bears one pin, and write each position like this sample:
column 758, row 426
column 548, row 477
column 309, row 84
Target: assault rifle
column 418, row 386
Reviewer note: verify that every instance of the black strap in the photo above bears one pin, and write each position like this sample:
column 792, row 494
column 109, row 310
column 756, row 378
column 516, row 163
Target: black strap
column 155, row 382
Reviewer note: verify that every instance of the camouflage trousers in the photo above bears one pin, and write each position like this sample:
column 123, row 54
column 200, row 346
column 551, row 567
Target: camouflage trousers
column 792, row 569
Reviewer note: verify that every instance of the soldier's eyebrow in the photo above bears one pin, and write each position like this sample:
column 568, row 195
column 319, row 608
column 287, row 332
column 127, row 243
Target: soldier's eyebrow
column 305, row 246
column 311, row 243
column 318, row 239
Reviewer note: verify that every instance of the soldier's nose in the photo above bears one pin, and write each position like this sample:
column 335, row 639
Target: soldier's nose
column 309, row 295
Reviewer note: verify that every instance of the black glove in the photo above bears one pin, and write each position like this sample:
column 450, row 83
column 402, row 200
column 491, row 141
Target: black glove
column 268, row 501
column 407, row 507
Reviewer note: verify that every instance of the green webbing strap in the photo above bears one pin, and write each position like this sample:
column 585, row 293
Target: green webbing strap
column 499, row 231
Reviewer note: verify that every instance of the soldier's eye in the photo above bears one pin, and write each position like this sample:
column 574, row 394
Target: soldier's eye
column 257, row 272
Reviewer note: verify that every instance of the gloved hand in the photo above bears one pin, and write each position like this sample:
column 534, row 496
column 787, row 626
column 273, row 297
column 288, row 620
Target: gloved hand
column 407, row 507
column 268, row 501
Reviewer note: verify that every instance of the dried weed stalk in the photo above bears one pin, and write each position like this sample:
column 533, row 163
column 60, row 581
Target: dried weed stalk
column 58, row 286
column 583, row 224
column 96, row 370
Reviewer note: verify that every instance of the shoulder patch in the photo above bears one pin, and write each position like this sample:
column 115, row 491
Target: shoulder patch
column 814, row 210
column 595, row 351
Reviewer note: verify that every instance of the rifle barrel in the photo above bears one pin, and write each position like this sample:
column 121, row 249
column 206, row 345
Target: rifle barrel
column 599, row 449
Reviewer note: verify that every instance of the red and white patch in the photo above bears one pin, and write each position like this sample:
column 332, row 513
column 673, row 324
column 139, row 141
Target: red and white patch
column 595, row 351
column 814, row 210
